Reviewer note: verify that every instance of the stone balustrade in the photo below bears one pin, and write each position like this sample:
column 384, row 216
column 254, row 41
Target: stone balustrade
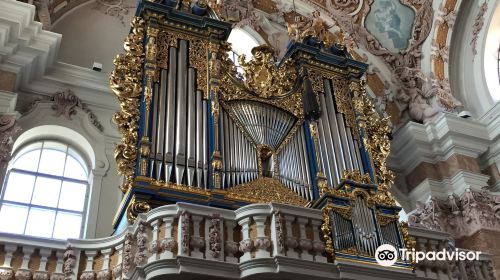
column 427, row 240
column 185, row 241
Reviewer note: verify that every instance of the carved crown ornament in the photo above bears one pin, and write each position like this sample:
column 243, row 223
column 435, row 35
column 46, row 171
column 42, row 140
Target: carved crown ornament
column 262, row 80
column 65, row 103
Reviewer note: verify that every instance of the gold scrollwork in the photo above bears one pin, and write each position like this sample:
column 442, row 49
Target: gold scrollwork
column 355, row 175
column 263, row 81
column 376, row 140
column 408, row 240
column 384, row 219
column 326, row 228
column 344, row 211
column 136, row 207
column 165, row 41
column 125, row 82
column 265, row 190
column 262, row 75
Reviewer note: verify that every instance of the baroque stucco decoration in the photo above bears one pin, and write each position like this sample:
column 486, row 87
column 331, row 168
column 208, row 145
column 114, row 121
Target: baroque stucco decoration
column 423, row 99
column 65, row 103
column 418, row 96
column 478, row 26
column 460, row 216
column 8, row 128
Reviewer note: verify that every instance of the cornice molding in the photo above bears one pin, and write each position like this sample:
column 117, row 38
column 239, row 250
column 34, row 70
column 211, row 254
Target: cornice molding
column 437, row 141
column 25, row 49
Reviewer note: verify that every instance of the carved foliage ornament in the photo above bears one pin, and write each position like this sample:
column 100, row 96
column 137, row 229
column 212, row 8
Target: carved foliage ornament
column 65, row 103
column 263, row 81
column 262, row 75
column 125, row 82
column 215, row 241
column 136, row 207
column 8, row 128
column 459, row 215
column 376, row 140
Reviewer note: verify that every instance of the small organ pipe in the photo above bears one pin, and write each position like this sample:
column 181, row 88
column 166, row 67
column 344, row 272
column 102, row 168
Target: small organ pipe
column 191, row 127
column 169, row 129
column 343, row 140
column 199, row 138
column 334, row 128
column 181, row 102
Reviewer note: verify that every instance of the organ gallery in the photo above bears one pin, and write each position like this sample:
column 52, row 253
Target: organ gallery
column 199, row 127
column 249, row 139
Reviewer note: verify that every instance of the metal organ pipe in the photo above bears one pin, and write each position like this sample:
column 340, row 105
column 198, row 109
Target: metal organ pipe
column 200, row 145
column 294, row 165
column 154, row 162
column 308, row 180
column 191, row 127
column 343, row 139
column 239, row 154
column 339, row 149
column 169, row 129
column 180, row 121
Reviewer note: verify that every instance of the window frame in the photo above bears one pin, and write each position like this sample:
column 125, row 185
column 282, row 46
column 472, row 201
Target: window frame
column 83, row 160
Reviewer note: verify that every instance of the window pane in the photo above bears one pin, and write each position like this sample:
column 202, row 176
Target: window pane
column 53, row 158
column 67, row 225
column 72, row 196
column 46, row 192
column 13, row 218
column 19, row 187
column 40, row 222
column 27, row 161
column 74, row 169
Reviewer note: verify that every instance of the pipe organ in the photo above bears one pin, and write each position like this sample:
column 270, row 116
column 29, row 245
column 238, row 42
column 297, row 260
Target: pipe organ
column 298, row 130
column 178, row 122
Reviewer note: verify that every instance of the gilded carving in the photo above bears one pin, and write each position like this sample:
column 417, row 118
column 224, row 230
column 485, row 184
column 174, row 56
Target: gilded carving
column 265, row 190
column 326, row 228
column 376, row 141
column 135, row 207
column 262, row 75
column 125, row 82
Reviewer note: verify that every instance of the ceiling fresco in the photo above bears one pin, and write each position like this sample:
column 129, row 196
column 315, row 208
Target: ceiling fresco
column 390, row 22
column 387, row 34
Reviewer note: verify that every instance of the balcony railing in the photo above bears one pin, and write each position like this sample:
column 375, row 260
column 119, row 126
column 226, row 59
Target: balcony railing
column 185, row 241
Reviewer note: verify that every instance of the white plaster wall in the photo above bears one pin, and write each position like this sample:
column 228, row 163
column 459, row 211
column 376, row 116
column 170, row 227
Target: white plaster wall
column 91, row 35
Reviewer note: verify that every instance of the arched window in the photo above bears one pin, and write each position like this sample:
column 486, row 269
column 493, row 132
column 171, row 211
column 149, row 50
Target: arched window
column 45, row 191
column 242, row 43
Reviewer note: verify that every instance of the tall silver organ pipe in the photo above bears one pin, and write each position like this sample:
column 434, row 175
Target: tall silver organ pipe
column 179, row 123
column 294, row 167
column 239, row 155
column 339, row 148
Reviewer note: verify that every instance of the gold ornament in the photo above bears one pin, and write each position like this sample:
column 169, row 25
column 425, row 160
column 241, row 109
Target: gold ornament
column 326, row 228
column 376, row 140
column 136, row 207
column 262, row 75
column 125, row 82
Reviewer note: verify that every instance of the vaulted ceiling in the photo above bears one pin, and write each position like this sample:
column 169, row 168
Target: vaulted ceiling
column 406, row 43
